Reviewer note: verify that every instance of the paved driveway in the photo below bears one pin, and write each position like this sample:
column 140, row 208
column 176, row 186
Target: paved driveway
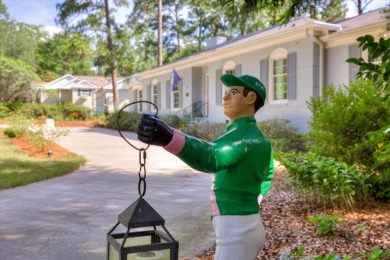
column 68, row 217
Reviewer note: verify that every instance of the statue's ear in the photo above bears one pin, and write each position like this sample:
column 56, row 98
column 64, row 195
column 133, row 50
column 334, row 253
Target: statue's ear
column 251, row 97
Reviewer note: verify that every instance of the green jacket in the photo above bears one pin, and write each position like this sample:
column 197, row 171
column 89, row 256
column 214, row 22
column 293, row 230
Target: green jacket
column 241, row 161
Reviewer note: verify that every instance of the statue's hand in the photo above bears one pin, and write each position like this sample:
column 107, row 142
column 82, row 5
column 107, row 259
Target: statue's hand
column 153, row 130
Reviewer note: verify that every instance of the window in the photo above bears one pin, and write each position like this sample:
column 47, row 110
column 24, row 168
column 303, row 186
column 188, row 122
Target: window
column 175, row 96
column 154, row 96
column 228, row 68
column 278, row 76
column 279, row 79
column 85, row 92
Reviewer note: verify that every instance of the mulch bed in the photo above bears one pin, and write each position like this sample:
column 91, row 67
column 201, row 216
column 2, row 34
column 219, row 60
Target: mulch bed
column 285, row 215
column 33, row 151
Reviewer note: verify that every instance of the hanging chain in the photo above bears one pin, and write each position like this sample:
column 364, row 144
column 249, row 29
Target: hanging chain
column 142, row 151
column 142, row 172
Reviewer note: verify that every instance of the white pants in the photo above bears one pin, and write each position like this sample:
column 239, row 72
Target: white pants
column 238, row 237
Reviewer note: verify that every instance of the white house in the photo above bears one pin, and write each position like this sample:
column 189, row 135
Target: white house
column 295, row 62
column 94, row 92
column 105, row 95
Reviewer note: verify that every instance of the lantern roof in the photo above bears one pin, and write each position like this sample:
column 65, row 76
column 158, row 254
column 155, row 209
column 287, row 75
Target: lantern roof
column 140, row 214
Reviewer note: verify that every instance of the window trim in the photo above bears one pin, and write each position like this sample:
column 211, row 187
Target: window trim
column 154, row 95
column 228, row 68
column 277, row 54
column 172, row 97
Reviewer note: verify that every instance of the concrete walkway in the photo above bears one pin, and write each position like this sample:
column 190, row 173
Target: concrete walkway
column 68, row 217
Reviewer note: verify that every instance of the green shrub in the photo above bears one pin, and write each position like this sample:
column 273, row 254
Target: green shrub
column 205, row 131
column 326, row 225
column 342, row 120
column 15, row 105
column 376, row 253
column 43, row 111
column 380, row 185
column 72, row 111
column 173, row 121
column 128, row 121
column 284, row 136
column 4, row 110
column 326, row 180
column 11, row 133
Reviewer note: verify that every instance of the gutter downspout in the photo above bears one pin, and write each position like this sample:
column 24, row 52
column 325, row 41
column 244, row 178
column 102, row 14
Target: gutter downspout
column 322, row 54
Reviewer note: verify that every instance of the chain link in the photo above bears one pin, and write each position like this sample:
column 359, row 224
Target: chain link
column 142, row 173
column 142, row 151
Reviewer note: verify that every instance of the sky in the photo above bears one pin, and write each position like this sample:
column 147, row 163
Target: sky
column 43, row 12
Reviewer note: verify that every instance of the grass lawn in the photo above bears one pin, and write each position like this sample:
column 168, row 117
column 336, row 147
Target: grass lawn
column 17, row 169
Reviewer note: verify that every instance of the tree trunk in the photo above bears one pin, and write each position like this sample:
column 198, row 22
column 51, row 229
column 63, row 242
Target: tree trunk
column 160, row 63
column 112, row 65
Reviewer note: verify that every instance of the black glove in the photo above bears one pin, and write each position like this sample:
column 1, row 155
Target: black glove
column 152, row 130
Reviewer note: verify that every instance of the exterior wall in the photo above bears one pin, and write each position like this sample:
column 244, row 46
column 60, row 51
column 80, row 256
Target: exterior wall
column 317, row 51
column 295, row 110
column 337, row 75
column 86, row 101
column 191, row 89
column 124, row 99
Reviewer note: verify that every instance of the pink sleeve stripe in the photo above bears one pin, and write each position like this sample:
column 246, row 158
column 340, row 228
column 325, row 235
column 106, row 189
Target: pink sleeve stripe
column 177, row 143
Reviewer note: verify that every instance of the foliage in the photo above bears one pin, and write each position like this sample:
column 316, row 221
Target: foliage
column 3, row 10
column 284, row 136
column 66, row 111
column 11, row 133
column 65, row 53
column 4, row 110
column 326, row 225
column 18, row 169
column 16, row 80
column 19, row 40
column 173, row 120
column 128, row 121
column 205, row 131
column 42, row 136
column 63, row 112
column 344, row 136
column 379, row 74
column 326, row 180
column 380, row 185
column 376, row 253
column 291, row 9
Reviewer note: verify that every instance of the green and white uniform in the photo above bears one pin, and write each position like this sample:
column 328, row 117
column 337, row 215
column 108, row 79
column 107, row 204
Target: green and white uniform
column 241, row 161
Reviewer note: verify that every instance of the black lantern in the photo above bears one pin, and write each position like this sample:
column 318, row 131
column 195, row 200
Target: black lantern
column 146, row 237
column 144, row 244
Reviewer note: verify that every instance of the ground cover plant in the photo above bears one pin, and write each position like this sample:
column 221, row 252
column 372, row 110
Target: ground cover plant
column 21, row 163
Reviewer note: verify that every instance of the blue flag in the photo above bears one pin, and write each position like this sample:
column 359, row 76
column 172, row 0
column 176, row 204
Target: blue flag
column 175, row 78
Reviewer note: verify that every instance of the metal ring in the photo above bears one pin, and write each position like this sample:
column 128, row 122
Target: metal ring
column 117, row 121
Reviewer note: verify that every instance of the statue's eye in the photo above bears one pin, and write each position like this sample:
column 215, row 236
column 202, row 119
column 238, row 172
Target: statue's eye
column 235, row 92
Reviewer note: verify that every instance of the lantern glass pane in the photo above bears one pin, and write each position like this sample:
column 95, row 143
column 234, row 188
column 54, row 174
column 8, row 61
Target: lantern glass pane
column 137, row 241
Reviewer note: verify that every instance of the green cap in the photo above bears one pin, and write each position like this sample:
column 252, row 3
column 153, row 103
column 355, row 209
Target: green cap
column 245, row 81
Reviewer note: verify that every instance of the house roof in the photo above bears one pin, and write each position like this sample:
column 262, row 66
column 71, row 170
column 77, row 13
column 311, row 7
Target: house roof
column 373, row 23
column 297, row 29
column 69, row 81
column 99, row 81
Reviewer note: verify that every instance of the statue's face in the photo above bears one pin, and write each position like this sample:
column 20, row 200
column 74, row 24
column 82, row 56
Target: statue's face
column 234, row 105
